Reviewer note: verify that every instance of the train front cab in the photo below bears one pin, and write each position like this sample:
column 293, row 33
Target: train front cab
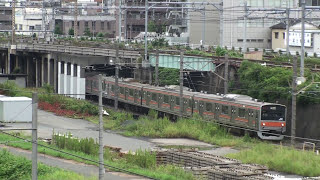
column 273, row 121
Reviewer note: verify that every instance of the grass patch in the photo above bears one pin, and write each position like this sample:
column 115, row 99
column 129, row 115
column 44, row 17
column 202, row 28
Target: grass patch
column 282, row 159
column 19, row 168
column 143, row 163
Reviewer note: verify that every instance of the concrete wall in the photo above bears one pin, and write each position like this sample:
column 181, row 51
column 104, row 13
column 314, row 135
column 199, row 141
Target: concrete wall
column 20, row 81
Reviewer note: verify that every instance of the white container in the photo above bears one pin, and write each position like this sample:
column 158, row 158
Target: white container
column 15, row 109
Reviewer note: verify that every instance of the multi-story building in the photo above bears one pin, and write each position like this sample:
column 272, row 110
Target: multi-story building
column 5, row 18
column 163, row 21
column 258, row 23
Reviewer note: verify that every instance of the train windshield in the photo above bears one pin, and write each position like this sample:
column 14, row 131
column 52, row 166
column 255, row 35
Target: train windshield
column 273, row 113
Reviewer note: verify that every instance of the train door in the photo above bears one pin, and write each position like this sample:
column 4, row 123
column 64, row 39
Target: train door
column 196, row 106
column 136, row 96
column 201, row 107
column 217, row 111
column 172, row 102
column 233, row 113
column 148, row 98
column 186, row 106
column 251, row 116
column 160, row 100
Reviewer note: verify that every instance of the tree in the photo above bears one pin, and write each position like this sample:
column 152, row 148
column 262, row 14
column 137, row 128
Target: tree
column 154, row 27
column 87, row 32
column 57, row 30
column 71, row 32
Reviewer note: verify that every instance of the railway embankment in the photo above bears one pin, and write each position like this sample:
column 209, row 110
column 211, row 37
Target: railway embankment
column 252, row 150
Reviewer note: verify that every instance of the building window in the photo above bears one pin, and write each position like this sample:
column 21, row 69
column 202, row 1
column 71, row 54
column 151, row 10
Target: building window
column 240, row 40
column 102, row 25
column 108, row 26
column 260, row 40
column 311, row 2
column 72, row 24
column 276, row 35
column 86, row 24
column 20, row 26
column 38, row 27
column 284, row 35
column 31, row 28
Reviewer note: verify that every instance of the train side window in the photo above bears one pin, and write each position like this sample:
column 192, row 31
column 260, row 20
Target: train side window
column 225, row 109
column 154, row 97
column 242, row 113
column 121, row 90
column 190, row 103
column 177, row 100
column 166, row 99
column 112, row 88
column 208, row 107
column 130, row 92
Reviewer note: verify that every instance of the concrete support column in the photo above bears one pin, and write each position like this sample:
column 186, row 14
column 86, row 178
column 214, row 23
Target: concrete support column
column 59, row 79
column 17, row 61
column 8, row 63
column 42, row 71
column 78, row 81
column 37, row 74
column 65, row 78
column 49, row 57
column 55, row 75
column 71, row 80
column 28, row 69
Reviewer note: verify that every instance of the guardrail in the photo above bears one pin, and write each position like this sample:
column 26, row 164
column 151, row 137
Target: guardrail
column 127, row 54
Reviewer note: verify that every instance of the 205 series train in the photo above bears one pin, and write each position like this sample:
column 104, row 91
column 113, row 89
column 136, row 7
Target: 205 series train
column 267, row 119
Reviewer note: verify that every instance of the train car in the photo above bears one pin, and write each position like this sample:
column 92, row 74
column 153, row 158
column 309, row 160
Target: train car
column 267, row 119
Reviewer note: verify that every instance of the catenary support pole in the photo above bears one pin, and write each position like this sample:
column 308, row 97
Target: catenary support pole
column 157, row 68
column 34, row 136
column 294, row 101
column 245, row 27
column 75, row 30
column 120, row 21
column 226, row 73
column 116, row 80
column 146, row 32
column 101, row 166
column 303, row 7
column 287, row 29
column 181, row 83
column 203, row 27
column 221, row 24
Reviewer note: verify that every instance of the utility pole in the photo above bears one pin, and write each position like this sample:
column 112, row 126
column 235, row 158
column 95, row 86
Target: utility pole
column 120, row 20
column 101, row 166
column 303, row 7
column 294, row 101
column 221, row 24
column 245, row 27
column 116, row 80
column 146, row 32
column 34, row 136
column 75, row 30
column 288, row 26
column 181, row 83
column 157, row 68
column 226, row 73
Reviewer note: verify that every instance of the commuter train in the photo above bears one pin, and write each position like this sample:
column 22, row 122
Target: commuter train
column 233, row 110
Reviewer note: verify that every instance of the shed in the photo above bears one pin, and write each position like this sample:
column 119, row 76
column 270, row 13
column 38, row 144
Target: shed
column 15, row 109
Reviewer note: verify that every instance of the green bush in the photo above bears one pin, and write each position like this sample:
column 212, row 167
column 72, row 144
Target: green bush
column 9, row 88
